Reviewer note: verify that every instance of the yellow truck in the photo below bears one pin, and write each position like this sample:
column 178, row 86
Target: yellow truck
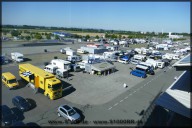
column 40, row 79
column 9, row 80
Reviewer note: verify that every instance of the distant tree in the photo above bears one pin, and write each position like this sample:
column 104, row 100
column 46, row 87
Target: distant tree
column 38, row 36
column 15, row 33
column 27, row 37
column 45, row 33
column 87, row 37
column 114, row 36
column 56, row 37
column 48, row 36
column 21, row 37
column 42, row 33
column 120, row 36
column 4, row 33
column 124, row 37
column 97, row 37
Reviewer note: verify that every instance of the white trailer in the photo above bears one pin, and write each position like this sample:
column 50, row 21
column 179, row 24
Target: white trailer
column 147, row 64
column 50, row 68
column 61, row 64
column 16, row 56
column 160, row 64
column 153, row 62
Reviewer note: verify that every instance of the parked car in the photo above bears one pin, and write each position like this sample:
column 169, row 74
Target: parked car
column 21, row 103
column 69, row 113
column 138, row 73
column 8, row 117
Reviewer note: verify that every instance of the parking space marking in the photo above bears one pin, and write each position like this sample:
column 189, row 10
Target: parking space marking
column 126, row 97
column 121, row 100
column 115, row 104
column 110, row 108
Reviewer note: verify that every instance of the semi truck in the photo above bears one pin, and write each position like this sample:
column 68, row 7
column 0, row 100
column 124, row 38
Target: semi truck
column 37, row 78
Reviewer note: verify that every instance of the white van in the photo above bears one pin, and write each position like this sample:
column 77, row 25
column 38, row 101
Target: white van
column 16, row 56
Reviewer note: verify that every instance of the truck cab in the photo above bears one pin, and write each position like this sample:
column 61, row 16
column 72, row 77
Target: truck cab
column 9, row 80
column 54, row 88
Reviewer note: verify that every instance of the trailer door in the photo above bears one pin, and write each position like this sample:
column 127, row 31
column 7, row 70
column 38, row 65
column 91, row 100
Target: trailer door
column 37, row 81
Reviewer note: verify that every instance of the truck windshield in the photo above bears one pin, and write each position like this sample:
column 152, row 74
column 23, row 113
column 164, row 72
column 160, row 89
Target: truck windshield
column 20, row 57
column 56, row 86
column 12, row 81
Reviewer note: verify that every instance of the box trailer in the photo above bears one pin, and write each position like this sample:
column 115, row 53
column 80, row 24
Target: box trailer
column 37, row 78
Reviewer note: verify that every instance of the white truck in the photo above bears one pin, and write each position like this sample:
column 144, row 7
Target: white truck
column 74, row 58
column 16, row 56
column 60, row 73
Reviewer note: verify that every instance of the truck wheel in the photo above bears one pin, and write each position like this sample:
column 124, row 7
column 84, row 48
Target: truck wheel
column 59, row 115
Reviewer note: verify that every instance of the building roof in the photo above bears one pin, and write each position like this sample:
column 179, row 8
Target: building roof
column 102, row 66
column 186, row 61
column 177, row 97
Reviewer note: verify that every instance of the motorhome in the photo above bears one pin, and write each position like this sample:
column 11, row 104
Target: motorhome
column 167, row 56
column 74, row 58
column 61, row 64
column 147, row 69
column 16, row 56
column 134, row 61
column 153, row 62
column 160, row 64
column 110, row 56
column 51, row 68
column 139, row 57
column 147, row 64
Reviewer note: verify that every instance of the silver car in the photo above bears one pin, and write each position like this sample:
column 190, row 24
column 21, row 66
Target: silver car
column 69, row 113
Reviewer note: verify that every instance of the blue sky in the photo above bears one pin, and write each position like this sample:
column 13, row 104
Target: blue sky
column 129, row 16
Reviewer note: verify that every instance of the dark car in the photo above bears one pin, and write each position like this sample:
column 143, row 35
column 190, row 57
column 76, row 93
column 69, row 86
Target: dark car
column 8, row 117
column 18, row 124
column 21, row 103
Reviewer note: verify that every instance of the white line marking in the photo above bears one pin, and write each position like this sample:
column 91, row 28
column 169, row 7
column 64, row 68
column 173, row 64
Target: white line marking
column 115, row 104
column 126, row 97
column 144, row 84
column 130, row 94
column 109, row 108
column 134, row 92
column 141, row 87
column 121, row 100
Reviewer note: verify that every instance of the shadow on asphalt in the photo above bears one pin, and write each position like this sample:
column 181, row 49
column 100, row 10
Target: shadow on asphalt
column 26, row 59
column 68, row 91
column 32, row 103
column 80, row 113
column 22, row 84
column 19, row 113
column 33, row 124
